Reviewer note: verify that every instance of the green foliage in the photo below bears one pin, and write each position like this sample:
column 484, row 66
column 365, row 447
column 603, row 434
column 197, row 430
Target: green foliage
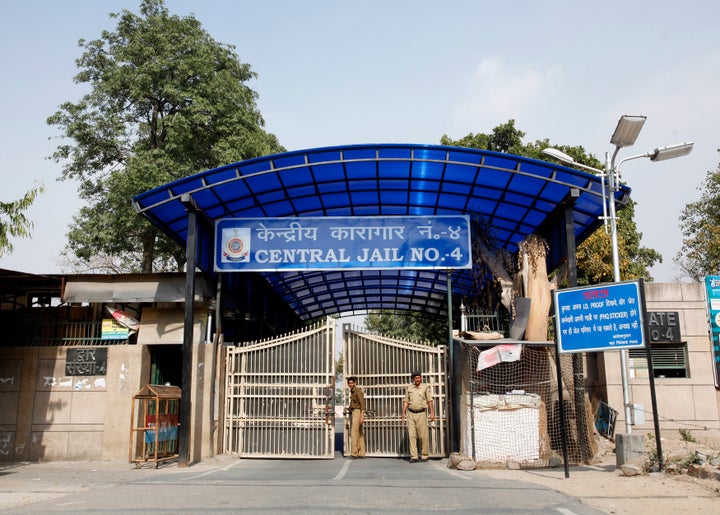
column 408, row 325
column 700, row 224
column 653, row 456
column 686, row 435
column 165, row 101
column 339, row 365
column 594, row 255
column 13, row 222
column 692, row 459
column 504, row 138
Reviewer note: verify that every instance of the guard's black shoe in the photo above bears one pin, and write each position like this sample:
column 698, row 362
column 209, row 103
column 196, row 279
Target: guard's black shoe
column 413, row 460
column 423, row 460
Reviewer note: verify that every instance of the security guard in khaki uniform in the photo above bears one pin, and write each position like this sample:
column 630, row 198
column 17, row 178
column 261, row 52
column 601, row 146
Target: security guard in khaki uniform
column 418, row 400
column 357, row 419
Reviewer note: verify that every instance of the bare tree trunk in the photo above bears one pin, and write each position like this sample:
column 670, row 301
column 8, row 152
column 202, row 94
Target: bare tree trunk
column 536, row 287
column 148, row 251
column 495, row 265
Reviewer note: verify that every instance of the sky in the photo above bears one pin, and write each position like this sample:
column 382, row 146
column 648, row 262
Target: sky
column 406, row 71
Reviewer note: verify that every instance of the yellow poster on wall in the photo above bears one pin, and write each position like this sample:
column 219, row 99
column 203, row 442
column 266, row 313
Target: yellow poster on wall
column 111, row 330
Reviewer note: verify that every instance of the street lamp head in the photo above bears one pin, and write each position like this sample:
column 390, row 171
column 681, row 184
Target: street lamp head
column 564, row 158
column 627, row 130
column 558, row 154
column 671, row 151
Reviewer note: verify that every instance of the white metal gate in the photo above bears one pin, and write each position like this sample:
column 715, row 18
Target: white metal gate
column 383, row 367
column 280, row 399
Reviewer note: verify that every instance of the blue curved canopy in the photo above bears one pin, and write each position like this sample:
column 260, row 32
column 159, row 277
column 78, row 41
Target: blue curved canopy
column 511, row 196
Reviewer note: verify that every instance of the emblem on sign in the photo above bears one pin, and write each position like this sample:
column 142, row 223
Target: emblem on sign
column 236, row 245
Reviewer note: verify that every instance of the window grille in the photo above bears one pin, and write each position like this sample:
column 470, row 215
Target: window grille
column 668, row 360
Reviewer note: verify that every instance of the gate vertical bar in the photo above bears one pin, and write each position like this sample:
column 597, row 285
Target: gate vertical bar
column 229, row 401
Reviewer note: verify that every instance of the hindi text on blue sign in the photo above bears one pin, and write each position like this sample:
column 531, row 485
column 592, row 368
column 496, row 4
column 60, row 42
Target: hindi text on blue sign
column 329, row 243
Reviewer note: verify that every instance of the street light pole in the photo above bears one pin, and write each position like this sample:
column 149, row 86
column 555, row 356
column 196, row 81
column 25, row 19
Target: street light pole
column 610, row 176
column 625, row 134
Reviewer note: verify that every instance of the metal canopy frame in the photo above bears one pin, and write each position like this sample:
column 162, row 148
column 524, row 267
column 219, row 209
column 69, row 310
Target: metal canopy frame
column 511, row 196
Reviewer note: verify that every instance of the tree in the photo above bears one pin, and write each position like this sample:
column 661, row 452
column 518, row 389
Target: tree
column 412, row 326
column 339, row 385
column 13, row 222
column 504, row 138
column 165, row 101
column 700, row 224
column 594, row 258
column 594, row 255
column 339, row 365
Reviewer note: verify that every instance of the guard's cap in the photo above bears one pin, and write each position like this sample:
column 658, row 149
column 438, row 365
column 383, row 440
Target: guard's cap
column 414, row 374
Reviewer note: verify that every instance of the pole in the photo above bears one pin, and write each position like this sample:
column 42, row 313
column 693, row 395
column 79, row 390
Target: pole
column 451, row 368
column 610, row 183
column 185, row 415
column 561, row 406
column 651, row 377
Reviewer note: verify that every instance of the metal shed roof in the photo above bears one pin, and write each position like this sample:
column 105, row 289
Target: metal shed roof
column 511, row 195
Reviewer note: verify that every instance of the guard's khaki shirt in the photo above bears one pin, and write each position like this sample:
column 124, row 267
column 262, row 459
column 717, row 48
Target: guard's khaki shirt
column 418, row 397
column 357, row 399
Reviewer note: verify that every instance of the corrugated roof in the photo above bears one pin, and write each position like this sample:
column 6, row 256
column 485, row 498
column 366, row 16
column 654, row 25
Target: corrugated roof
column 511, row 196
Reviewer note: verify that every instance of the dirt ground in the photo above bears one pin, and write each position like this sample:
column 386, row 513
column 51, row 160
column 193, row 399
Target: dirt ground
column 603, row 486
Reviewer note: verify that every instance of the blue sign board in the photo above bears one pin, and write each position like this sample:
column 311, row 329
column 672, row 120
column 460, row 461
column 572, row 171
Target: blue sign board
column 712, row 286
column 599, row 318
column 330, row 243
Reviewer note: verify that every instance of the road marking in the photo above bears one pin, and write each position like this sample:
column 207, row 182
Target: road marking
column 566, row 512
column 232, row 464
column 343, row 470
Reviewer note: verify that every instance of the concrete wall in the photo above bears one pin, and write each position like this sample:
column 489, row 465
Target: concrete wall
column 48, row 416
column 205, row 408
column 683, row 403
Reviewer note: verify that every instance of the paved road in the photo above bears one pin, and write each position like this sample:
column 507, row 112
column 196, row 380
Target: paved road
column 230, row 485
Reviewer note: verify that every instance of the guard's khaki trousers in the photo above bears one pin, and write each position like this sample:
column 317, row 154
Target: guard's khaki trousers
column 417, row 425
column 357, row 435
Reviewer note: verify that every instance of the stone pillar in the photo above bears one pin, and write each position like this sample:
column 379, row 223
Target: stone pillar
column 630, row 449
